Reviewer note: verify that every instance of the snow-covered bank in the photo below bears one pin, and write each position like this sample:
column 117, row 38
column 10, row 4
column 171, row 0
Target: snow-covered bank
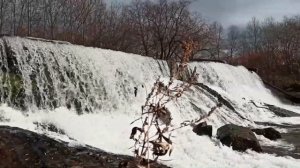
column 102, row 83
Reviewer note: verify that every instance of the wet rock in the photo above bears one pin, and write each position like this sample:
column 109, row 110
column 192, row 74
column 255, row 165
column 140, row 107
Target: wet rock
column 240, row 138
column 203, row 129
column 46, row 126
column 220, row 98
column 22, row 148
column 269, row 133
column 281, row 112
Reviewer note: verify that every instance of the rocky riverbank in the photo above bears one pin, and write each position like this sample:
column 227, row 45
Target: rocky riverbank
column 22, row 148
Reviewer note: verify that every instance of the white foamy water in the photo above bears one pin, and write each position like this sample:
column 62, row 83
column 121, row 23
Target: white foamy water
column 103, row 82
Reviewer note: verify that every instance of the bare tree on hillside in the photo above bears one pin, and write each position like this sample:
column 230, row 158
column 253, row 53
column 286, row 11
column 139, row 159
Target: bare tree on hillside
column 152, row 28
column 253, row 32
column 3, row 14
column 217, row 38
column 53, row 8
column 138, row 13
column 232, row 39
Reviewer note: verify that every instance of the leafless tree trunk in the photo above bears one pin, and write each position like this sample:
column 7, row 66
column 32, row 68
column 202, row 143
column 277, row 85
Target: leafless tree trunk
column 232, row 39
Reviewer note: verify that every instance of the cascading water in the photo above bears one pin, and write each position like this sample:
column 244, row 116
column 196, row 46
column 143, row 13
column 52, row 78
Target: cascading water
column 35, row 75
column 89, row 94
column 43, row 77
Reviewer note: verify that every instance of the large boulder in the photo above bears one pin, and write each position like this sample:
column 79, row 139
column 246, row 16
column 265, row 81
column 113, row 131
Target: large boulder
column 269, row 133
column 203, row 129
column 240, row 138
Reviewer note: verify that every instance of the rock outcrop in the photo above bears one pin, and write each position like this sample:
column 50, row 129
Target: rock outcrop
column 269, row 133
column 22, row 148
column 203, row 129
column 240, row 138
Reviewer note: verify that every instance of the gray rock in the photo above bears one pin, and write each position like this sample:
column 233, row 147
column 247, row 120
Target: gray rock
column 240, row 138
column 203, row 129
column 22, row 148
column 269, row 133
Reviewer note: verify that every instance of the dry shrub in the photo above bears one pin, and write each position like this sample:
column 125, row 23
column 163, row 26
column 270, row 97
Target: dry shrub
column 153, row 138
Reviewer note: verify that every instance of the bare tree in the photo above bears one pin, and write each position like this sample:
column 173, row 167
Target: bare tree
column 217, row 31
column 232, row 40
column 53, row 9
column 138, row 16
column 3, row 14
column 152, row 28
column 253, row 32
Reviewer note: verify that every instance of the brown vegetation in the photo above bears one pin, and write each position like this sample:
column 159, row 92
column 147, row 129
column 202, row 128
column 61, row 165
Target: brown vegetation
column 271, row 47
column 150, row 28
column 153, row 137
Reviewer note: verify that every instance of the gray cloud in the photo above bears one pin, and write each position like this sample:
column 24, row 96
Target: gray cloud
column 239, row 12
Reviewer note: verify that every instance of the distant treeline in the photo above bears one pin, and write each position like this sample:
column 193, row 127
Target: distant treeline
column 151, row 28
column 273, row 47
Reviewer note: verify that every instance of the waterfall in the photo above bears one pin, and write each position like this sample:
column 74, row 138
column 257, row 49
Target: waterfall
column 49, row 75
column 88, row 93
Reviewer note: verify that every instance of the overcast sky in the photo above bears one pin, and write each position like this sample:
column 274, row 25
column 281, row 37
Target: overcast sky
column 239, row 12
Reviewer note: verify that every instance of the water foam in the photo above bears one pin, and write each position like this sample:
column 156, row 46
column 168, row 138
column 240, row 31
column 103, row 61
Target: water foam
column 109, row 79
